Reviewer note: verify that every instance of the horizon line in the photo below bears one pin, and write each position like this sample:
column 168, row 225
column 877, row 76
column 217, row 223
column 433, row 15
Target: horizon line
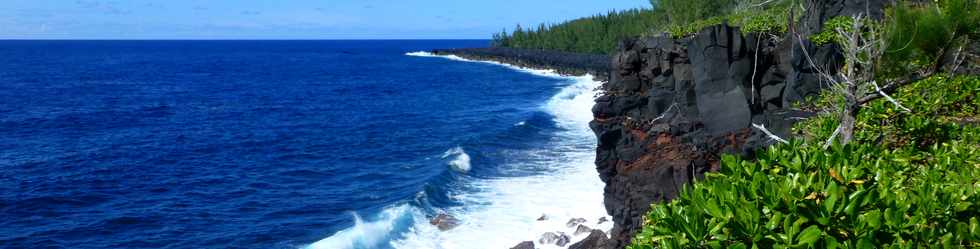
column 242, row 39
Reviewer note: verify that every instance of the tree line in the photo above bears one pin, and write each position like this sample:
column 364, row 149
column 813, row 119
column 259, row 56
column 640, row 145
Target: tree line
column 597, row 34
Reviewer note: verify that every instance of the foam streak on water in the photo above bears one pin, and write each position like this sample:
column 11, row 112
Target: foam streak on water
column 502, row 212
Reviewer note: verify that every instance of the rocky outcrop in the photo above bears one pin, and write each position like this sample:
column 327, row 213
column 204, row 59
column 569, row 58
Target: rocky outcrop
column 559, row 239
column 596, row 239
column 565, row 63
column 673, row 106
column 524, row 245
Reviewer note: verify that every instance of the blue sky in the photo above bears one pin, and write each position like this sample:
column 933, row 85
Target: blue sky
column 284, row 19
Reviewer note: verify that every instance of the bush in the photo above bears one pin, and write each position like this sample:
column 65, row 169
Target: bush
column 918, row 35
column 908, row 181
column 770, row 19
column 688, row 11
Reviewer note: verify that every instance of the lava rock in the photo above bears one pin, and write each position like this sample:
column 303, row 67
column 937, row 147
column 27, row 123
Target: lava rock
column 524, row 245
column 444, row 222
column 575, row 222
column 582, row 229
column 597, row 239
column 563, row 239
column 559, row 239
column 548, row 238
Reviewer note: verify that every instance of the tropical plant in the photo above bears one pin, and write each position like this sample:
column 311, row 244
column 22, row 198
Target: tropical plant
column 908, row 181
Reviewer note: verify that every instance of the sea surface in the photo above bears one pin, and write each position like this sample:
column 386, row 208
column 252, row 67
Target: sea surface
column 286, row 144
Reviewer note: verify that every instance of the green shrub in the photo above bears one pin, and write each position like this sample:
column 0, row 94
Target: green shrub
column 910, row 180
column 770, row 18
column 917, row 34
column 829, row 33
column 687, row 11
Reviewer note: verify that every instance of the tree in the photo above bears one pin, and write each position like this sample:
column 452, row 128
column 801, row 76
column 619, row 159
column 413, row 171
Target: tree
column 896, row 53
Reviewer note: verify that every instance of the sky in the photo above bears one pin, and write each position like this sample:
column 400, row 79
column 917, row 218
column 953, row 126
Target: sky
column 286, row 19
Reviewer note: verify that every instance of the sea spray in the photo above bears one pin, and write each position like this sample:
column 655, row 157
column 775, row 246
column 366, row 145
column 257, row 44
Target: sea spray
column 374, row 233
column 460, row 160
column 501, row 212
column 507, row 209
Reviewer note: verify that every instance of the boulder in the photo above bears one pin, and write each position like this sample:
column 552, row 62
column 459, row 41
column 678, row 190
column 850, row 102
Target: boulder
column 524, row 245
column 563, row 239
column 575, row 222
column 582, row 229
column 548, row 238
column 596, row 240
column 543, row 217
column 559, row 239
column 444, row 222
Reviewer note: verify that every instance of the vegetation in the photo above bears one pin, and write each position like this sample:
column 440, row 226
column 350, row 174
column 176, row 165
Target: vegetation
column 598, row 34
column 880, row 57
column 750, row 15
column 909, row 181
column 601, row 33
column 906, row 177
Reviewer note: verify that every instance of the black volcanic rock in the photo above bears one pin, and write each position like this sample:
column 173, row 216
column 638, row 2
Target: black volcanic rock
column 596, row 240
column 672, row 107
column 524, row 245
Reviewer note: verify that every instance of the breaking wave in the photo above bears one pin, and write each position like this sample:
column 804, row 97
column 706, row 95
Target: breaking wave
column 499, row 212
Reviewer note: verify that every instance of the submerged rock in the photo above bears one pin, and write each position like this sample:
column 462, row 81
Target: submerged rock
column 603, row 220
column 582, row 229
column 444, row 222
column 543, row 217
column 548, row 238
column 559, row 239
column 597, row 240
column 563, row 239
column 524, row 245
column 575, row 222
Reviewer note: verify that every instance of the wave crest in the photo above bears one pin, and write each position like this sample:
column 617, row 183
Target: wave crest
column 365, row 235
column 460, row 161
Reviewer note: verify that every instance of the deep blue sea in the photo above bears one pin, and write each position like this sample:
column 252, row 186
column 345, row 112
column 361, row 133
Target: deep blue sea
column 285, row 144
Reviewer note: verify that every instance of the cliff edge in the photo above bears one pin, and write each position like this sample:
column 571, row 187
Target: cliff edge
column 673, row 106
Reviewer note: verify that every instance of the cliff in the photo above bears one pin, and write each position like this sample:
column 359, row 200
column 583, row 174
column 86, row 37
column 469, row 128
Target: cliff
column 673, row 106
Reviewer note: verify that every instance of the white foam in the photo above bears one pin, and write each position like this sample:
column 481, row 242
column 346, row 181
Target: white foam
column 372, row 234
column 461, row 160
column 502, row 212
column 539, row 72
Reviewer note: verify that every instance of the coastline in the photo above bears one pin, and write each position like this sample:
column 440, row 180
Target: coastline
column 577, row 177
column 562, row 63
column 509, row 209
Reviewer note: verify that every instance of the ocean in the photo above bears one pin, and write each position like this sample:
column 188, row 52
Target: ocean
column 287, row 144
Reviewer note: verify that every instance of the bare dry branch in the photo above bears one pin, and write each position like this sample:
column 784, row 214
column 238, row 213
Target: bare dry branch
column 769, row 134
column 889, row 98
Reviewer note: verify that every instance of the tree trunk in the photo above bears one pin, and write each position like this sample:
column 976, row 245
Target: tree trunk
column 848, row 121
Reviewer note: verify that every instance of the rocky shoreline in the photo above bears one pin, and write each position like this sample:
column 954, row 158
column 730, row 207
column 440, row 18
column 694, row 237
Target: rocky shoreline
column 672, row 106
column 565, row 63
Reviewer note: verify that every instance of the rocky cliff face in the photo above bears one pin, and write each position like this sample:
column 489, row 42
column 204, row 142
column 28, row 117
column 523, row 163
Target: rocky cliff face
column 673, row 106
